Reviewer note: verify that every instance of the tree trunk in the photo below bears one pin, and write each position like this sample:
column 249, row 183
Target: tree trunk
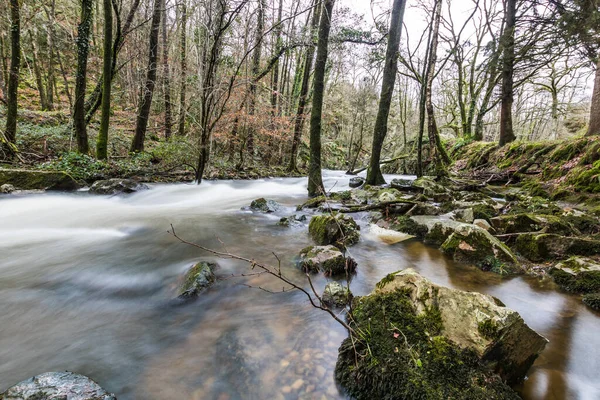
column 315, row 180
column 51, row 80
column 13, row 77
column 83, row 48
column 594, row 125
column 260, row 25
column 182, row 82
column 102, row 143
column 299, row 120
column 507, row 134
column 374, row 175
column 166, row 77
column 144, row 110
column 39, row 81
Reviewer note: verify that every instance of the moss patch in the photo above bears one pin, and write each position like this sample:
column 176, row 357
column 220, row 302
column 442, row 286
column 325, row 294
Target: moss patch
column 592, row 300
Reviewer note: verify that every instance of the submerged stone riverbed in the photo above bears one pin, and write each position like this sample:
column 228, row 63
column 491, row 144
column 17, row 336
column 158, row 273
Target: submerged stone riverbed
column 87, row 285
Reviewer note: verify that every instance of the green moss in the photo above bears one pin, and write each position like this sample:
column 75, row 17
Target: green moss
column 336, row 229
column 408, row 225
column 386, row 279
column 583, row 282
column 489, row 329
column 592, row 300
column 399, row 354
column 484, row 211
column 37, row 180
column 345, row 195
column 534, row 188
column 567, row 150
column 312, row 203
column 592, row 154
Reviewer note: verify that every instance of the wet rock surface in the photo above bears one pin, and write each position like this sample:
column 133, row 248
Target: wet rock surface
column 327, row 259
column 37, row 180
column 355, row 182
column 293, row 220
column 577, row 275
column 7, row 188
column 197, row 279
column 336, row 295
column 117, row 186
column 57, row 386
column 264, row 205
column 337, row 229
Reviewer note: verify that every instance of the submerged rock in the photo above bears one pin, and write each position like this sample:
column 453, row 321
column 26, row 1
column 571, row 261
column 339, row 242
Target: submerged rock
column 37, row 180
column 117, row 186
column 264, row 205
column 357, row 181
column 337, row 229
column 197, row 279
column 57, row 386
column 389, row 236
column 7, row 188
column 427, row 341
column 292, row 220
column 336, row 295
column 327, row 259
column 577, row 275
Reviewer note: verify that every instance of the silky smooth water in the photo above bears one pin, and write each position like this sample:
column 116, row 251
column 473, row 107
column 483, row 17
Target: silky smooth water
column 87, row 284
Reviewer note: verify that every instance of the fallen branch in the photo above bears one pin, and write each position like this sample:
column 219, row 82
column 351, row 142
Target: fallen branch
column 358, row 171
column 353, row 208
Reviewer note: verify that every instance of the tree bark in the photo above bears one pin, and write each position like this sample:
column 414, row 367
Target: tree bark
column 39, row 81
column 260, row 26
column 83, row 47
column 137, row 144
column 315, row 180
column 13, row 77
column 51, row 79
column 308, row 62
column 507, row 134
column 594, row 125
column 166, row 77
column 374, row 175
column 183, row 72
column 102, row 142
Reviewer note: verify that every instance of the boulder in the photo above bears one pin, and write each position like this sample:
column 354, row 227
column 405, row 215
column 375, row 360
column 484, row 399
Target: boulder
column 577, row 275
column 407, row 225
column 327, row 259
column 518, row 223
column 7, row 188
column 467, row 215
column 117, row 186
column 427, row 341
column 197, row 279
column 292, row 220
column 404, row 185
column 38, row 180
column 388, row 236
column 545, row 246
column 592, row 301
column 337, row 229
column 471, row 244
column 264, row 205
column 357, row 181
column 387, row 195
column 57, row 386
column 336, row 295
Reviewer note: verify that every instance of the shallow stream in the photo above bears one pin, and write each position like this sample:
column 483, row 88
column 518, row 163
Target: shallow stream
column 87, row 285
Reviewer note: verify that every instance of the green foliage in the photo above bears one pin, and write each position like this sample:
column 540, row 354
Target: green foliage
column 489, row 329
column 583, row 282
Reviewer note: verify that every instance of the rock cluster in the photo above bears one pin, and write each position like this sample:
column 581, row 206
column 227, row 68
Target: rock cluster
column 117, row 186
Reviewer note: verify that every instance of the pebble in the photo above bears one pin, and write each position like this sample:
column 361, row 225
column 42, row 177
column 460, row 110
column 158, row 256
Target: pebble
column 284, row 363
column 298, row 384
column 286, row 389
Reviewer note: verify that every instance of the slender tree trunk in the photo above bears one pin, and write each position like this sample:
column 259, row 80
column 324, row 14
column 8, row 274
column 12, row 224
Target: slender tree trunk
column 260, row 25
column 507, row 134
column 182, row 82
column 102, row 143
column 144, row 110
column 374, row 175
column 13, row 77
column 166, row 77
column 315, row 180
column 278, row 45
column 594, row 125
column 51, row 80
column 39, row 81
column 299, row 120
column 83, row 48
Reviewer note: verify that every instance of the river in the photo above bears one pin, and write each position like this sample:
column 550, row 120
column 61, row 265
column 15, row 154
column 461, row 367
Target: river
column 87, row 285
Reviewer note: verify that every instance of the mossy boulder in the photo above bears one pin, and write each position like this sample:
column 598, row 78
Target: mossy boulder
column 314, row 202
column 38, row 180
column 336, row 295
column 519, row 223
column 357, row 181
column 417, row 340
column 293, row 220
column 532, row 205
column 577, row 275
column 264, row 205
column 327, row 259
column 404, row 185
column 471, row 244
column 337, row 229
column 548, row 246
column 197, row 279
column 409, row 226
column 387, row 195
column 592, row 300
column 57, row 385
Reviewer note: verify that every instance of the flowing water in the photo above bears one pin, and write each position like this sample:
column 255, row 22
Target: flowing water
column 87, row 284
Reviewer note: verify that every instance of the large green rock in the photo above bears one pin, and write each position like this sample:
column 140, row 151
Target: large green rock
column 518, row 223
column 336, row 295
column 592, row 300
column 57, row 386
column 38, row 180
column 327, row 259
column 198, row 278
column 548, row 246
column 577, row 275
column 418, row 340
column 336, row 229
column 264, row 205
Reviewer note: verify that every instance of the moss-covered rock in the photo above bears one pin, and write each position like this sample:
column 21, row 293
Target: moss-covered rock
column 577, row 275
column 315, row 202
column 293, row 220
column 197, row 279
column 471, row 244
column 407, row 225
column 592, row 300
column 355, row 182
column 117, row 186
column 336, row 295
column 532, row 205
column 264, row 205
column 548, row 246
column 337, row 229
column 38, row 180
column 418, row 340
column 518, row 223
column 327, row 259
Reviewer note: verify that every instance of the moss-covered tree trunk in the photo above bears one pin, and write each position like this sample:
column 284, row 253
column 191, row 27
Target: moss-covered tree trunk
column 102, row 143
column 594, row 124
column 137, row 144
column 183, row 72
column 13, row 76
column 315, row 180
column 83, row 47
column 258, row 44
column 39, row 80
column 374, row 175
column 507, row 134
column 302, row 99
column 167, row 74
